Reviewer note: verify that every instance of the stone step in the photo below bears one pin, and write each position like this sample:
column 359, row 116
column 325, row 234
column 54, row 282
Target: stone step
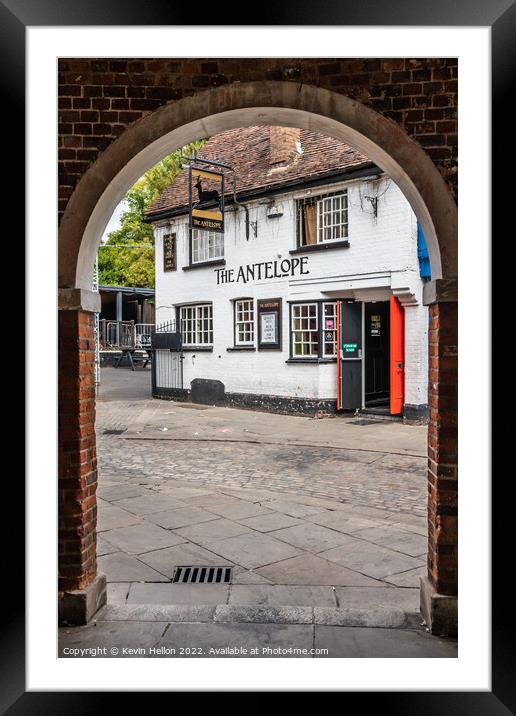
column 383, row 617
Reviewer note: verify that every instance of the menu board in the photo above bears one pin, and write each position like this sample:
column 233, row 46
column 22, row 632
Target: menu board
column 269, row 324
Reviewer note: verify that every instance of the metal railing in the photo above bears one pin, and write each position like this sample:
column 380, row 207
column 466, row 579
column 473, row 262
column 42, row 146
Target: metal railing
column 142, row 334
column 125, row 334
column 166, row 327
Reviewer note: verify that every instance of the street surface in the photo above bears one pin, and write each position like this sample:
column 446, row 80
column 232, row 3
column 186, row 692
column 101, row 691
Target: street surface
column 322, row 521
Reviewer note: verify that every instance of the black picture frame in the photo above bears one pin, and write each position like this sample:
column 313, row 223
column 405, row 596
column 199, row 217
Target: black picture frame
column 269, row 307
column 169, row 252
column 500, row 16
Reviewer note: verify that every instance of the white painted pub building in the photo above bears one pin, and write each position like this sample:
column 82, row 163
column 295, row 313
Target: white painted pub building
column 311, row 299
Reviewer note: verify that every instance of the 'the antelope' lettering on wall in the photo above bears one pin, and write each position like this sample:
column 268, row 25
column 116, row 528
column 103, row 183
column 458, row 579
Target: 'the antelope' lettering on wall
column 263, row 270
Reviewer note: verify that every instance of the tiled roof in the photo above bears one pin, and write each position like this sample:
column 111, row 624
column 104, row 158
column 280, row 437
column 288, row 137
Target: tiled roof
column 247, row 151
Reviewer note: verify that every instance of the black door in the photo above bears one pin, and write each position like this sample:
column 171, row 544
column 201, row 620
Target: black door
column 350, row 355
column 377, row 352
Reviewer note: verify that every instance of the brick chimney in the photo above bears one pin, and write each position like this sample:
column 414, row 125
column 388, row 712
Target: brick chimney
column 282, row 145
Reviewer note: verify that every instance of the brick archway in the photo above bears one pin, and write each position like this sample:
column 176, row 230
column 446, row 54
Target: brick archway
column 209, row 112
column 88, row 210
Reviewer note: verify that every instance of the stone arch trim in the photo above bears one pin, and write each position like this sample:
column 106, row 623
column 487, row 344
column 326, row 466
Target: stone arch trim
column 174, row 124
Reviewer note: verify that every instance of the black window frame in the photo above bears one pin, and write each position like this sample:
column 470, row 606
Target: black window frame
column 315, row 198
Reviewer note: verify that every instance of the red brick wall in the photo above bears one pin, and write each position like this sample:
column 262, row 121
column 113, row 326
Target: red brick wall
column 99, row 98
column 77, row 462
column 442, row 448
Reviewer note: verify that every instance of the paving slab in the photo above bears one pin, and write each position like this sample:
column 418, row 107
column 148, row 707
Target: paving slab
column 310, row 569
column 147, row 504
column 181, row 492
column 194, row 594
column 110, row 517
column 120, row 567
column 184, row 516
column 407, row 579
column 212, row 498
column 407, row 542
column 293, row 509
column 96, row 637
column 117, row 592
column 249, row 494
column 280, row 595
column 143, row 538
column 253, row 549
column 370, row 559
column 269, row 522
column 104, row 546
column 167, row 559
column 209, row 533
column 344, row 521
column 238, row 511
column 112, row 493
column 376, row 513
column 310, row 537
column 239, row 640
column 373, row 597
column 356, row 642
column 419, row 527
column 247, row 576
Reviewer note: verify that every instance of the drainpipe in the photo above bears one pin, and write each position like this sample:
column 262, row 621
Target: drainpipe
column 244, row 207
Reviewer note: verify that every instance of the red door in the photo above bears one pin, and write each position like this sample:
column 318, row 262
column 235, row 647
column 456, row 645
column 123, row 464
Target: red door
column 397, row 356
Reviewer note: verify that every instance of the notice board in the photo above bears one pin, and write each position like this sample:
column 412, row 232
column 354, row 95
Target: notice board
column 269, row 324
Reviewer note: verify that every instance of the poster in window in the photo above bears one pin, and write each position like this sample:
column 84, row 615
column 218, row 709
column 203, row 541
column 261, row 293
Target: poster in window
column 169, row 252
column 269, row 324
column 376, row 325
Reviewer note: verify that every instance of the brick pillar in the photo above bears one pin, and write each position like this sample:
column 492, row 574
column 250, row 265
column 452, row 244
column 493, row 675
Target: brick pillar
column 439, row 590
column 81, row 591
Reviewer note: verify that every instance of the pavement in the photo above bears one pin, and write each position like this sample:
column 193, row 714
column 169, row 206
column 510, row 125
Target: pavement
column 322, row 522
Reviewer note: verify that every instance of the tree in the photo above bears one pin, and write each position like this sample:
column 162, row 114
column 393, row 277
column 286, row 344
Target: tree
column 135, row 266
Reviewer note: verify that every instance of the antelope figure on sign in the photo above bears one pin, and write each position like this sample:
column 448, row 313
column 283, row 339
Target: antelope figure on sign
column 207, row 196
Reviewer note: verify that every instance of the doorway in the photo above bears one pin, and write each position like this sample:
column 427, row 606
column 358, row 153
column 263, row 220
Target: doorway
column 377, row 354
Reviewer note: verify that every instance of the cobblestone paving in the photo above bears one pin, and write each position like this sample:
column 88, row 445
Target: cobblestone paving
column 379, row 480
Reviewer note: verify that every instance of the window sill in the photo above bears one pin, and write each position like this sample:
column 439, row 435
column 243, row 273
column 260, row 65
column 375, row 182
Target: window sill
column 198, row 349
column 326, row 246
column 314, row 361
column 205, row 264
column 236, row 349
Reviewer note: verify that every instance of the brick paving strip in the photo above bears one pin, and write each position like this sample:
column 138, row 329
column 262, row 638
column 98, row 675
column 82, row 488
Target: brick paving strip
column 325, row 542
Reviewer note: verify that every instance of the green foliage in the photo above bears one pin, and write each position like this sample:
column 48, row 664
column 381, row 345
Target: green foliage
column 135, row 266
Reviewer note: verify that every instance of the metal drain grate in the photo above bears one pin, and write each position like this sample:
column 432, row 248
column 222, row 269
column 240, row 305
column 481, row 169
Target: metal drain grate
column 114, row 431
column 202, row 575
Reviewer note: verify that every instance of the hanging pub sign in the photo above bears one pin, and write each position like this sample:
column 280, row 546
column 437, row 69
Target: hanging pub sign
column 206, row 195
column 269, row 324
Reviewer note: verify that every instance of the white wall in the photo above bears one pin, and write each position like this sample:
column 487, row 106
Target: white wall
column 381, row 260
